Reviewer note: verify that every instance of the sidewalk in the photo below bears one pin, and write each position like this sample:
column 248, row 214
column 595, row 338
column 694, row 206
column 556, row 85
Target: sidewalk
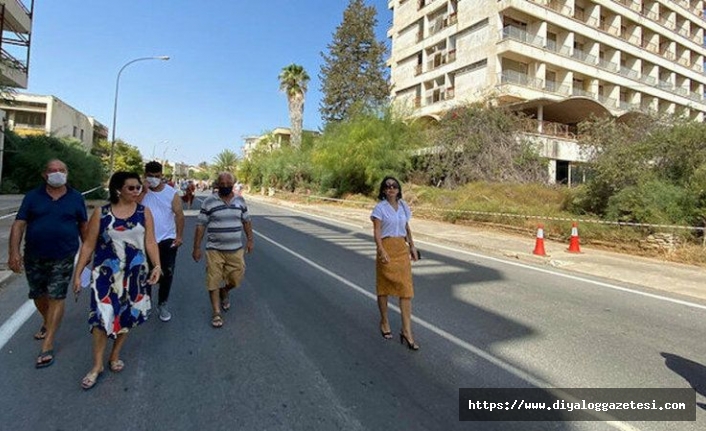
column 662, row 276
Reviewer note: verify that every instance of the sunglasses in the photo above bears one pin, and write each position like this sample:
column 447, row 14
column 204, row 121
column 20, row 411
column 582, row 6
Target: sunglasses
column 392, row 186
column 133, row 188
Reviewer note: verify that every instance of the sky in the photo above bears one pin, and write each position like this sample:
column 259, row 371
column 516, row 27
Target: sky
column 220, row 84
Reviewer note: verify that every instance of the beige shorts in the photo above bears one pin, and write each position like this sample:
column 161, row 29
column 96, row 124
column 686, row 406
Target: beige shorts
column 224, row 266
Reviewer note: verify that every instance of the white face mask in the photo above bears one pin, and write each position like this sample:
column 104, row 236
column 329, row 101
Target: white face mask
column 56, row 179
column 153, row 182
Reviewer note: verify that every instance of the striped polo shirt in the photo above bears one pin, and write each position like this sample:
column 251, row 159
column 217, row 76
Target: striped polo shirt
column 223, row 222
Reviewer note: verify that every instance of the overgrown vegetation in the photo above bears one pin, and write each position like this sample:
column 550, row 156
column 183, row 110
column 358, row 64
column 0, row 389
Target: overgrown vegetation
column 26, row 157
column 650, row 170
column 127, row 157
column 480, row 142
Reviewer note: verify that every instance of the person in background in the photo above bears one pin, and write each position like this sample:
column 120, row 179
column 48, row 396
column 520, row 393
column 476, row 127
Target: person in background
column 54, row 217
column 120, row 238
column 165, row 205
column 395, row 251
column 189, row 193
column 226, row 217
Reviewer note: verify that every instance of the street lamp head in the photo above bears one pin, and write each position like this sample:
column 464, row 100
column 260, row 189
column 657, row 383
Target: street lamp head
column 115, row 102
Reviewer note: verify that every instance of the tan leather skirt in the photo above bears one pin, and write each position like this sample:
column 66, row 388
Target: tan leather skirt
column 395, row 277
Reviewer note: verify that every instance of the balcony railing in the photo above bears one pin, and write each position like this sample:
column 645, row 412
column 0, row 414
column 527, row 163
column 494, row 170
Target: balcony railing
column 629, row 73
column 631, row 4
column 29, row 126
column 514, row 77
column 647, row 79
column 695, row 96
column 581, row 92
column 555, row 87
column 548, row 128
column 625, row 105
column 685, row 62
column 610, row 29
column 607, row 101
column 665, row 85
column 666, row 22
column 510, row 32
column 562, row 9
column 681, row 91
column 560, row 49
column 608, row 65
column 582, row 56
column 650, row 15
column 24, row 8
column 13, row 62
column 652, row 47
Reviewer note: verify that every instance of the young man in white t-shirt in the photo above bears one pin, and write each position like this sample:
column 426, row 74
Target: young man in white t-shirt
column 165, row 204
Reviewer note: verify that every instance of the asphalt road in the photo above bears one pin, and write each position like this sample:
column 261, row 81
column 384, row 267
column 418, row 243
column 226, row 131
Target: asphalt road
column 301, row 349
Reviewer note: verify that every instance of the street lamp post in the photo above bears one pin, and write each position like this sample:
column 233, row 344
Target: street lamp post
column 115, row 104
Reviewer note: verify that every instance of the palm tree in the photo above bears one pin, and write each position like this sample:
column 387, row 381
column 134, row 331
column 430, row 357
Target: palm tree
column 293, row 82
column 225, row 161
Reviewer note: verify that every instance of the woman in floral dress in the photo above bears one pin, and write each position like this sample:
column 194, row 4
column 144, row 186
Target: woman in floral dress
column 119, row 235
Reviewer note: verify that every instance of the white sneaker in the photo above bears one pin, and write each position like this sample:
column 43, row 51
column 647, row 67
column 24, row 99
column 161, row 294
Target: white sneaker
column 164, row 314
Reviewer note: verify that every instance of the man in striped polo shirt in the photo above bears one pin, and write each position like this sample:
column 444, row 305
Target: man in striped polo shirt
column 225, row 216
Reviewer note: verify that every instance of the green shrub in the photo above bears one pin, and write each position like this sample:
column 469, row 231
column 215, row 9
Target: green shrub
column 26, row 158
column 655, row 202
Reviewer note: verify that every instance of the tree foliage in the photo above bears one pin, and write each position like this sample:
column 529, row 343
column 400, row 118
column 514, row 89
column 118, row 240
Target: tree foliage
column 648, row 170
column 353, row 155
column 127, row 157
column 354, row 69
column 293, row 81
column 225, row 161
column 478, row 142
column 26, row 158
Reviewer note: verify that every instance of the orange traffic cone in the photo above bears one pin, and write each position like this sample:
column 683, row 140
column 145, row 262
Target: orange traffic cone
column 539, row 244
column 574, row 241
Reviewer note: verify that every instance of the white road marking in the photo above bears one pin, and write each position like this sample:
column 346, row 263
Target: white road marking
column 537, row 382
column 15, row 322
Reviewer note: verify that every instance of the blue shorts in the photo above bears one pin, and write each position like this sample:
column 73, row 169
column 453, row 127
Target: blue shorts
column 50, row 277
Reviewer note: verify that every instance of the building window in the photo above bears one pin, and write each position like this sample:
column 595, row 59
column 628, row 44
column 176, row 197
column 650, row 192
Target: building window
column 31, row 119
column 74, row 133
column 82, row 134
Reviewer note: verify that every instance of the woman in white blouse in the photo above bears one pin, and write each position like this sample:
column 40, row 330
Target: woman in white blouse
column 395, row 253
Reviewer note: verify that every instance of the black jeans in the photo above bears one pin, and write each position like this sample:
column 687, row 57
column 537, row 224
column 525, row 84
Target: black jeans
column 167, row 258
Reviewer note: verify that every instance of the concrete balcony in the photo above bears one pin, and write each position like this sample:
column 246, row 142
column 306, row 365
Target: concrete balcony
column 18, row 16
column 13, row 73
column 14, row 47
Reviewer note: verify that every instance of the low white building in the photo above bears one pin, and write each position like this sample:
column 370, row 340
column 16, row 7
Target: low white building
column 31, row 114
column 275, row 139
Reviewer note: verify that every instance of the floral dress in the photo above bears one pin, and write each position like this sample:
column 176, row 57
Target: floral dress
column 120, row 274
